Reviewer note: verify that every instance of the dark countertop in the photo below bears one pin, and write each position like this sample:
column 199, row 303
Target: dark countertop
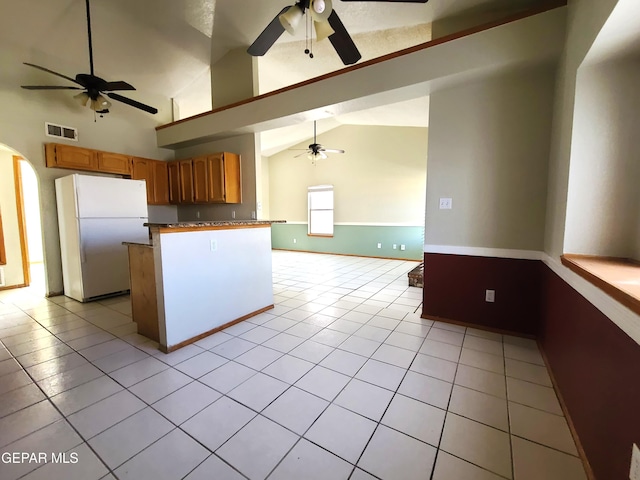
column 213, row 223
column 137, row 244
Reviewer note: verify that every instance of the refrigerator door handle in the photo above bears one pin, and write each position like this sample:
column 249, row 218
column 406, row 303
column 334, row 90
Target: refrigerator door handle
column 83, row 257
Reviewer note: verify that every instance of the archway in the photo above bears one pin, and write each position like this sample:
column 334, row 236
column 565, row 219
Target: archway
column 23, row 262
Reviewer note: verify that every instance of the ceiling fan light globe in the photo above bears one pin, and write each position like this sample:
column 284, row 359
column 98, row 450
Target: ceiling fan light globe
column 82, row 98
column 323, row 30
column 291, row 19
column 320, row 10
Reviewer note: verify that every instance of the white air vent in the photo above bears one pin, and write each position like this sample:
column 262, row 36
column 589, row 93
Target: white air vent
column 1, row 277
column 60, row 131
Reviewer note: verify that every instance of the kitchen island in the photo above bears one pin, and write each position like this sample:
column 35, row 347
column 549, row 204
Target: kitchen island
column 196, row 278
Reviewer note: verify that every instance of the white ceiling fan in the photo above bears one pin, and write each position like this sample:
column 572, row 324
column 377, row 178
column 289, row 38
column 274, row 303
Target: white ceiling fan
column 316, row 151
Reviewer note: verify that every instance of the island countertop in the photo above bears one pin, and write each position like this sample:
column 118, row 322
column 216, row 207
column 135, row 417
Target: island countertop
column 214, row 223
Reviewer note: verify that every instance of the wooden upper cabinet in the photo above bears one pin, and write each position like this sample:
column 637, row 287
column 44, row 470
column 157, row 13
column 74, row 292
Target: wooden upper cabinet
column 67, row 156
column 174, row 182
column 200, row 179
column 141, row 169
column 114, row 163
column 224, row 178
column 160, row 183
column 186, row 181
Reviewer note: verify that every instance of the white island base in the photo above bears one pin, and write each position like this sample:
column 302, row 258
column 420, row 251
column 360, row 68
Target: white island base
column 204, row 277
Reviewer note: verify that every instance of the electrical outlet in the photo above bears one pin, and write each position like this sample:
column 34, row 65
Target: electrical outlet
column 446, row 204
column 402, row 247
column 295, row 241
column 379, row 245
column 490, row 296
column 233, row 214
column 198, row 214
column 395, row 246
column 213, row 245
column 634, row 473
column 253, row 215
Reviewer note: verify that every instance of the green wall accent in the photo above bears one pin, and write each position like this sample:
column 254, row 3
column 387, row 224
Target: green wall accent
column 352, row 240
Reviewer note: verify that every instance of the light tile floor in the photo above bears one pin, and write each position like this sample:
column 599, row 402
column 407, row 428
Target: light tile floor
column 342, row 379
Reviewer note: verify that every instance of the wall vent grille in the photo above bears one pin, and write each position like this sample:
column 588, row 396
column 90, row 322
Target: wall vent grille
column 60, row 131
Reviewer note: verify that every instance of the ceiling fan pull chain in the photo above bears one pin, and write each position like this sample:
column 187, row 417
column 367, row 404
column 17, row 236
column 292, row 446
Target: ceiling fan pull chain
column 308, row 39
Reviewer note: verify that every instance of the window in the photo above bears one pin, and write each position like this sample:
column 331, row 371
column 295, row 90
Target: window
column 320, row 219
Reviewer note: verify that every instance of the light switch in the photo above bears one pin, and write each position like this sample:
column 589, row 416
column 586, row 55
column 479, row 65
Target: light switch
column 446, row 203
column 214, row 245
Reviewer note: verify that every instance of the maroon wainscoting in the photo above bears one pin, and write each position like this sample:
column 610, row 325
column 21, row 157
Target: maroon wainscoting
column 597, row 370
column 454, row 289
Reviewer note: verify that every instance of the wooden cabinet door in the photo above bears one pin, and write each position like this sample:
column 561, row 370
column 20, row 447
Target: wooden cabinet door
column 216, row 178
column 141, row 170
column 174, row 182
column 160, row 183
column 186, row 181
column 114, row 163
column 77, row 158
column 200, row 180
column 232, row 178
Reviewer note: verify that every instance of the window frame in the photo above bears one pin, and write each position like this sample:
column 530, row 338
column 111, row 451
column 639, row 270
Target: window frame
column 318, row 189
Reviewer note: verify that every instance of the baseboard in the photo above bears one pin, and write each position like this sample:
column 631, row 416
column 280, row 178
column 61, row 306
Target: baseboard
column 191, row 340
column 477, row 326
column 11, row 287
column 348, row 255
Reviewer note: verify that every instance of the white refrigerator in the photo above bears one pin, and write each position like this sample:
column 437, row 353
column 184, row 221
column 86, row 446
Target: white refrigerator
column 95, row 215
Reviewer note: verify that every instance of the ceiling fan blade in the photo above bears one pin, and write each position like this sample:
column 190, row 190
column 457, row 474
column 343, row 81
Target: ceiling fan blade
column 52, row 72
column 133, row 103
column 119, row 85
column 342, row 42
column 268, row 36
column 303, row 153
column 48, row 87
column 331, row 150
column 394, row 1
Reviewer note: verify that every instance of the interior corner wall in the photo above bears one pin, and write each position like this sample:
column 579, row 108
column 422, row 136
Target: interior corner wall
column 244, row 145
column 379, row 189
column 264, row 213
column 13, row 272
column 232, row 78
column 488, row 151
column 593, row 360
column 584, row 21
column 603, row 204
column 22, row 119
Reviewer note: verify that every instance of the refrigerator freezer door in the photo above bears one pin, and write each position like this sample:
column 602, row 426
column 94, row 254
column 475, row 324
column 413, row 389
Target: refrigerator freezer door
column 105, row 197
column 105, row 261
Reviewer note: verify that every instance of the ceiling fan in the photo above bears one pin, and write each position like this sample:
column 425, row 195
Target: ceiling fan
column 92, row 85
column 317, row 151
column 326, row 22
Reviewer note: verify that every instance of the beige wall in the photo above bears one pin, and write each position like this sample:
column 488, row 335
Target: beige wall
column 232, row 78
column 264, row 213
column 584, row 20
column 488, row 151
column 22, row 118
column 248, row 148
column 603, row 203
column 379, row 180
column 13, row 273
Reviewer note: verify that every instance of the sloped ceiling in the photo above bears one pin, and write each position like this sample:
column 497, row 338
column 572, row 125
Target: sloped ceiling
column 165, row 47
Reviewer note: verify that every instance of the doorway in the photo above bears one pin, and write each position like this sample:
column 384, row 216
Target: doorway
column 28, row 202
column 22, row 245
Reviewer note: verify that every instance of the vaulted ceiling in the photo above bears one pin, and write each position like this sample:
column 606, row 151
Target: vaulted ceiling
column 166, row 47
